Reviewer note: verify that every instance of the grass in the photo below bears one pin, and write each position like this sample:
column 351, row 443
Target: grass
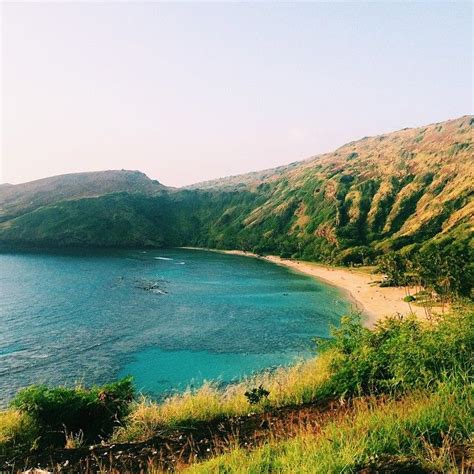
column 424, row 430
column 397, row 356
column 17, row 430
column 287, row 386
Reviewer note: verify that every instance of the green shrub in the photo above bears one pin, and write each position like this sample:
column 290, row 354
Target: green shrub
column 256, row 395
column 61, row 411
column 409, row 299
column 398, row 355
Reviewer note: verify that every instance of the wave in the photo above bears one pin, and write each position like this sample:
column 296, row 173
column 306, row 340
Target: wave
column 163, row 258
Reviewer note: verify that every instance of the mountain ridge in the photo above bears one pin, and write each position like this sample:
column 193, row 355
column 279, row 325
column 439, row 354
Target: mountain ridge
column 22, row 197
column 278, row 169
column 370, row 196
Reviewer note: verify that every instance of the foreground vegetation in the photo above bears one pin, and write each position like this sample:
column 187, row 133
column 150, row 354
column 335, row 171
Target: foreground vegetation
column 404, row 388
column 422, row 432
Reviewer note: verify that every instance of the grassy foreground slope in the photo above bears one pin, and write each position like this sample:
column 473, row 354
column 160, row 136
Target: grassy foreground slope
column 368, row 197
column 419, row 433
column 397, row 396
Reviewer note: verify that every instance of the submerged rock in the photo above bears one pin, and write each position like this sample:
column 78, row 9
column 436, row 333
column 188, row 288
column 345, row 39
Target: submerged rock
column 153, row 286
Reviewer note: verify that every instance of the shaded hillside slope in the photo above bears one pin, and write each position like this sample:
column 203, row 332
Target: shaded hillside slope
column 21, row 198
column 369, row 196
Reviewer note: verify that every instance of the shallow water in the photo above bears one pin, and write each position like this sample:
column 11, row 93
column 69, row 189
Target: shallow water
column 170, row 318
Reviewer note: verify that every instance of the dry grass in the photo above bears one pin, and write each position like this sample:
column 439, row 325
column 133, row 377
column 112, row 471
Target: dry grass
column 11, row 422
column 74, row 440
column 15, row 429
column 287, row 386
column 422, row 429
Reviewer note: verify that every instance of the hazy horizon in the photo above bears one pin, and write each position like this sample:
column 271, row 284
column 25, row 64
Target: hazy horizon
column 192, row 92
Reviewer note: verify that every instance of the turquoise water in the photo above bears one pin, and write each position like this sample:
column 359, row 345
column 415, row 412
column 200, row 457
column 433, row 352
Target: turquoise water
column 170, row 318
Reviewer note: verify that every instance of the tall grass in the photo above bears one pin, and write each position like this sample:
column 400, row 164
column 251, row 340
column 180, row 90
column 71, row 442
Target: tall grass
column 424, row 429
column 429, row 363
column 17, row 430
column 287, row 386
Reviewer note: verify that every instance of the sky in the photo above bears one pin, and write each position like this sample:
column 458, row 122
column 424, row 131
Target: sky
column 187, row 92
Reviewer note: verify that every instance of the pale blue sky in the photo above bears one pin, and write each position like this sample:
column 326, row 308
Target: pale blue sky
column 192, row 91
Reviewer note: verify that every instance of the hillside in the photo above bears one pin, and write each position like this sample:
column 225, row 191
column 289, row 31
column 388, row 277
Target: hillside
column 367, row 197
column 21, row 198
column 386, row 191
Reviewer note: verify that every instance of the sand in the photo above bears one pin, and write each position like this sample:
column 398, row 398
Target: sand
column 361, row 287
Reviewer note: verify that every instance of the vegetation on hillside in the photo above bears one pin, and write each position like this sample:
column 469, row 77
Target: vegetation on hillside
column 420, row 433
column 392, row 193
column 19, row 199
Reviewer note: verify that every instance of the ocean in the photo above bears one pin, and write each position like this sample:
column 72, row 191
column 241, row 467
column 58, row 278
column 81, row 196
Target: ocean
column 170, row 318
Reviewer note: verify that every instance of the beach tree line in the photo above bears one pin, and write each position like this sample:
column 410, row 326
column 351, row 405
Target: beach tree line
column 440, row 271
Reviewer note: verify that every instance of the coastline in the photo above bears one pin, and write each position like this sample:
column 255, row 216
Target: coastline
column 373, row 301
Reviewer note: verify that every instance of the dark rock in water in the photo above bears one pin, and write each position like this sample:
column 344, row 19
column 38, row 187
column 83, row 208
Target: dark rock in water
column 153, row 286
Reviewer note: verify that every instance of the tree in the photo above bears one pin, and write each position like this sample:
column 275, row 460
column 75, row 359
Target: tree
column 393, row 265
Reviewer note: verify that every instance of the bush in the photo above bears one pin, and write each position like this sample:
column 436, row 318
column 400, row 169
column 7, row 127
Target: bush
column 256, row 395
column 62, row 411
column 398, row 354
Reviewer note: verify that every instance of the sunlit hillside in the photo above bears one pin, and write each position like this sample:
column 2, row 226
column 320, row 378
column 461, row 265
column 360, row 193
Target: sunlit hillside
column 365, row 198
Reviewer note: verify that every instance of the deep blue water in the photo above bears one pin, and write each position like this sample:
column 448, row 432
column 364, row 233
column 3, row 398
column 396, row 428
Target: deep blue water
column 170, row 318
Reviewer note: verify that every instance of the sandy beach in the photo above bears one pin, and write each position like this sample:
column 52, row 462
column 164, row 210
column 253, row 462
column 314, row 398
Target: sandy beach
column 361, row 287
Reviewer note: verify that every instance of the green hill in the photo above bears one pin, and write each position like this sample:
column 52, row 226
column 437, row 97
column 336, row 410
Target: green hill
column 367, row 197
column 18, row 199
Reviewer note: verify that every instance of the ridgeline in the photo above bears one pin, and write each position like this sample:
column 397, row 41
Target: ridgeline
column 393, row 192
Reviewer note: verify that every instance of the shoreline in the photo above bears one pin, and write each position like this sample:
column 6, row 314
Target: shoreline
column 360, row 288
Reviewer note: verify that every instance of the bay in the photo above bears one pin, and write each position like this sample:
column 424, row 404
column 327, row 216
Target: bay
column 170, row 318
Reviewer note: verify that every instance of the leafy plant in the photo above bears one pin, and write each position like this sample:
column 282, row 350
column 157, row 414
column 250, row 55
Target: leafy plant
column 398, row 355
column 93, row 412
column 256, row 395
